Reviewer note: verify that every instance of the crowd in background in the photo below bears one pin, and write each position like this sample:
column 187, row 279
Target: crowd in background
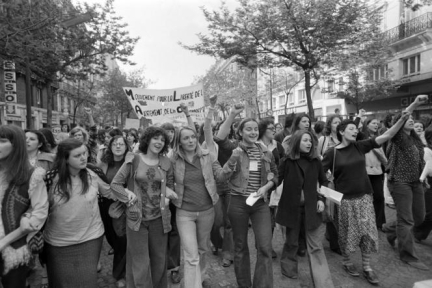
column 165, row 193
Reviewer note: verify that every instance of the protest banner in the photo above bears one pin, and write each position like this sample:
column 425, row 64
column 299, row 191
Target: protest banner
column 164, row 105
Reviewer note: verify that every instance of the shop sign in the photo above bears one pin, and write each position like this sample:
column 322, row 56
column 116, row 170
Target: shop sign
column 9, row 78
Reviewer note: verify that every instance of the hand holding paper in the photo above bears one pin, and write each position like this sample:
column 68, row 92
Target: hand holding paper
column 332, row 195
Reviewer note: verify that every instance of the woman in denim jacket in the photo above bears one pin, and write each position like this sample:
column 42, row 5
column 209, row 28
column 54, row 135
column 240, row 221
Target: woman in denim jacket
column 195, row 170
column 149, row 175
column 252, row 169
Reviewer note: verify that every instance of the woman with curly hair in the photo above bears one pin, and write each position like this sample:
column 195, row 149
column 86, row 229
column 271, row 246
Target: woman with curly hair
column 149, row 175
column 37, row 149
column 23, row 194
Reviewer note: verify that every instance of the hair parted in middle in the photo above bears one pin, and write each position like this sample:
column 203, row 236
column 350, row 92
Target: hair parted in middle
column 327, row 130
column 293, row 152
column 64, row 182
column 177, row 136
column 108, row 156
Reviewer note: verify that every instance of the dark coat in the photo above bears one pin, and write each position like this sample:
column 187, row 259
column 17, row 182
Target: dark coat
column 302, row 174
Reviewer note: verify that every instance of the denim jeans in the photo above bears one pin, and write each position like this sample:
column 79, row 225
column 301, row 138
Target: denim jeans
column 173, row 242
column 15, row 278
column 239, row 214
column 146, row 256
column 422, row 231
column 194, row 229
column 377, row 182
column 410, row 211
column 317, row 259
column 221, row 220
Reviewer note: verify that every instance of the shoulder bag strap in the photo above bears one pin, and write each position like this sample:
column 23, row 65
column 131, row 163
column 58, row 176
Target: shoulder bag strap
column 163, row 188
column 334, row 160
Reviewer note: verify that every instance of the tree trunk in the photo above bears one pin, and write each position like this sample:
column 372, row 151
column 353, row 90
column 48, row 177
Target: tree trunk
column 308, row 95
column 49, row 104
column 29, row 124
column 74, row 115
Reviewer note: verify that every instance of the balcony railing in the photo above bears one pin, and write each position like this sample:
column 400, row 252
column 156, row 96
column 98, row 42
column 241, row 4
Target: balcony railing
column 409, row 28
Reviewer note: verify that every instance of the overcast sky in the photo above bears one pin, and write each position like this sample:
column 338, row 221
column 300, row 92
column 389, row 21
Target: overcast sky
column 161, row 24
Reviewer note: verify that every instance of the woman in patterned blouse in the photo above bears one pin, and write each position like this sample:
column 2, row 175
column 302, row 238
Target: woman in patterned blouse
column 405, row 154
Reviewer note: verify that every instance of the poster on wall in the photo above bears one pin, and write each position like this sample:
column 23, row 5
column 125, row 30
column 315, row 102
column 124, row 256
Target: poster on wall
column 163, row 105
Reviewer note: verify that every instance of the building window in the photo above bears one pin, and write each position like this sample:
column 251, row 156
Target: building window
column 411, row 65
column 290, row 99
column 330, row 85
column 301, row 96
column 341, row 84
column 380, row 72
column 282, row 101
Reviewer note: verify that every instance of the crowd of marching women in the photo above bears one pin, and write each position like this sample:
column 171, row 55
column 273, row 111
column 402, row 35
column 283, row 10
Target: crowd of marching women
column 166, row 193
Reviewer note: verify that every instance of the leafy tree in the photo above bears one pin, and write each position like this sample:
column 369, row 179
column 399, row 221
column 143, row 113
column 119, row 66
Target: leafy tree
column 366, row 72
column 114, row 102
column 416, row 6
column 307, row 34
column 53, row 40
column 233, row 83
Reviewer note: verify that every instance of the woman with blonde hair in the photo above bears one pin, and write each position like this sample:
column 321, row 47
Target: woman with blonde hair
column 195, row 170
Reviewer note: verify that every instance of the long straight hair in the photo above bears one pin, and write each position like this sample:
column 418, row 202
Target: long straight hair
column 18, row 168
column 64, row 183
column 177, row 147
column 294, row 151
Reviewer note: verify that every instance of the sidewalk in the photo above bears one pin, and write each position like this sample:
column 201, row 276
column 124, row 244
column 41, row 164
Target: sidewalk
column 391, row 271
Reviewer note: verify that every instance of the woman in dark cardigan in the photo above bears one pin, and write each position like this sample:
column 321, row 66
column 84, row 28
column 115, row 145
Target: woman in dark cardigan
column 301, row 205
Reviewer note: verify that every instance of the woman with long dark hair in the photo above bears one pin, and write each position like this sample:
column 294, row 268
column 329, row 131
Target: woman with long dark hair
column 301, row 122
column 326, row 142
column 405, row 154
column 301, row 205
column 74, row 229
column 375, row 167
column 149, row 175
column 51, row 142
column 37, row 149
column 355, row 216
column 110, row 164
column 23, row 195
column 132, row 139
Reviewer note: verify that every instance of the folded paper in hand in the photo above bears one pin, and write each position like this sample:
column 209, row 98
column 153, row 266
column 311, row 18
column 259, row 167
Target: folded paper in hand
column 332, row 195
column 252, row 199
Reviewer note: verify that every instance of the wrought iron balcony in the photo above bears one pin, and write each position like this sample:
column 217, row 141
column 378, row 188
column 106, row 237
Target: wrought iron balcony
column 409, row 28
